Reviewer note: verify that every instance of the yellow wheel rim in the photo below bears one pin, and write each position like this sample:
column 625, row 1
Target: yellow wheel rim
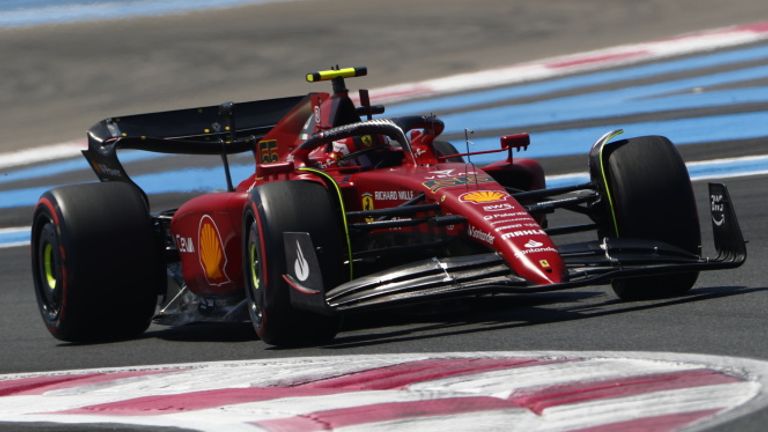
column 48, row 266
column 254, row 260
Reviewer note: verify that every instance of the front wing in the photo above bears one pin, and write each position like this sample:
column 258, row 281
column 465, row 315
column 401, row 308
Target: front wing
column 587, row 263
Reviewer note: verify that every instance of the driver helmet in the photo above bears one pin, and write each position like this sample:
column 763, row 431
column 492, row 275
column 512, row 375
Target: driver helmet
column 356, row 143
column 343, row 147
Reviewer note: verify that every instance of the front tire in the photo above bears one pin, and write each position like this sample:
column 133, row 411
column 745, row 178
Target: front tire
column 275, row 208
column 652, row 199
column 96, row 265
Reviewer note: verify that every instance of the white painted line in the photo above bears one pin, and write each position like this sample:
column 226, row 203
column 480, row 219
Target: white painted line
column 41, row 154
column 14, row 230
column 9, row 237
column 569, row 64
column 759, row 164
column 729, row 175
column 724, row 161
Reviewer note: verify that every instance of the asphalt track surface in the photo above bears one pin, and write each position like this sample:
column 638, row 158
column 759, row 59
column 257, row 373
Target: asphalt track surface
column 66, row 77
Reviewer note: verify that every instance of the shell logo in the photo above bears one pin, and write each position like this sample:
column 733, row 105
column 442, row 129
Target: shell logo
column 211, row 252
column 484, row 196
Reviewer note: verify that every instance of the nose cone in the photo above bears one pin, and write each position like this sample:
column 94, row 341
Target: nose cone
column 495, row 218
column 528, row 250
column 537, row 261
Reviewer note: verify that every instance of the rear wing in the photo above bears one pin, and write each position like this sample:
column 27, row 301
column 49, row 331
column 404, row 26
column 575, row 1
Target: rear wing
column 219, row 129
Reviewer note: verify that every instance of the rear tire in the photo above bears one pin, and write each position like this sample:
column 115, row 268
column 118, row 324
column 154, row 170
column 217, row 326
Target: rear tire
column 275, row 208
column 652, row 199
column 96, row 265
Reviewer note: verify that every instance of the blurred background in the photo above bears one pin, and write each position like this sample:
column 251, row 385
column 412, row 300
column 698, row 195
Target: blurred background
column 67, row 64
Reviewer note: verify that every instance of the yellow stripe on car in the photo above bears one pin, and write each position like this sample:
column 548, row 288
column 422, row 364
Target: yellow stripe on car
column 330, row 180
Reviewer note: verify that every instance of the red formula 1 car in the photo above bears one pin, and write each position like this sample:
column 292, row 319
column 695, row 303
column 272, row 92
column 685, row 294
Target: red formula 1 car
column 343, row 214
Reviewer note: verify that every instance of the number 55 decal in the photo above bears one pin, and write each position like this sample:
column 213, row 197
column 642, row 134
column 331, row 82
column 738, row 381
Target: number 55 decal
column 268, row 151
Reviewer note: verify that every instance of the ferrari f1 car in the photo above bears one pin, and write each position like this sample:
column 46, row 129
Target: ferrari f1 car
column 347, row 212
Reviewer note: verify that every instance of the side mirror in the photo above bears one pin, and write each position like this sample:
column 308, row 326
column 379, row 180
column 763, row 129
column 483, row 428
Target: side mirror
column 515, row 141
column 519, row 140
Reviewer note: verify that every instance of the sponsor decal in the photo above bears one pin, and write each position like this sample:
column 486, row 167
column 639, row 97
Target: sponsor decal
column 400, row 195
column 268, row 151
column 213, row 259
column 436, row 183
column 439, row 174
column 368, row 204
column 530, row 244
column 498, row 207
column 509, row 215
column 300, row 266
column 367, row 140
column 526, row 223
column 316, row 111
column 718, row 209
column 398, row 218
column 522, row 233
column 525, row 252
column 544, row 264
column 508, row 227
column 184, row 244
column 483, row 196
column 480, row 235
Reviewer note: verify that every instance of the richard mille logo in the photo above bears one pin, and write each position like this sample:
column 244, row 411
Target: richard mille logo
column 300, row 266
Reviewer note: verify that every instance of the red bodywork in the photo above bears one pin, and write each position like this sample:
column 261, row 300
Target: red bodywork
column 208, row 230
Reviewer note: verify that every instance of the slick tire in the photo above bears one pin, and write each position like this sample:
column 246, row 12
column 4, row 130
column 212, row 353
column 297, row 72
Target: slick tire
column 652, row 199
column 443, row 148
column 275, row 208
column 96, row 263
